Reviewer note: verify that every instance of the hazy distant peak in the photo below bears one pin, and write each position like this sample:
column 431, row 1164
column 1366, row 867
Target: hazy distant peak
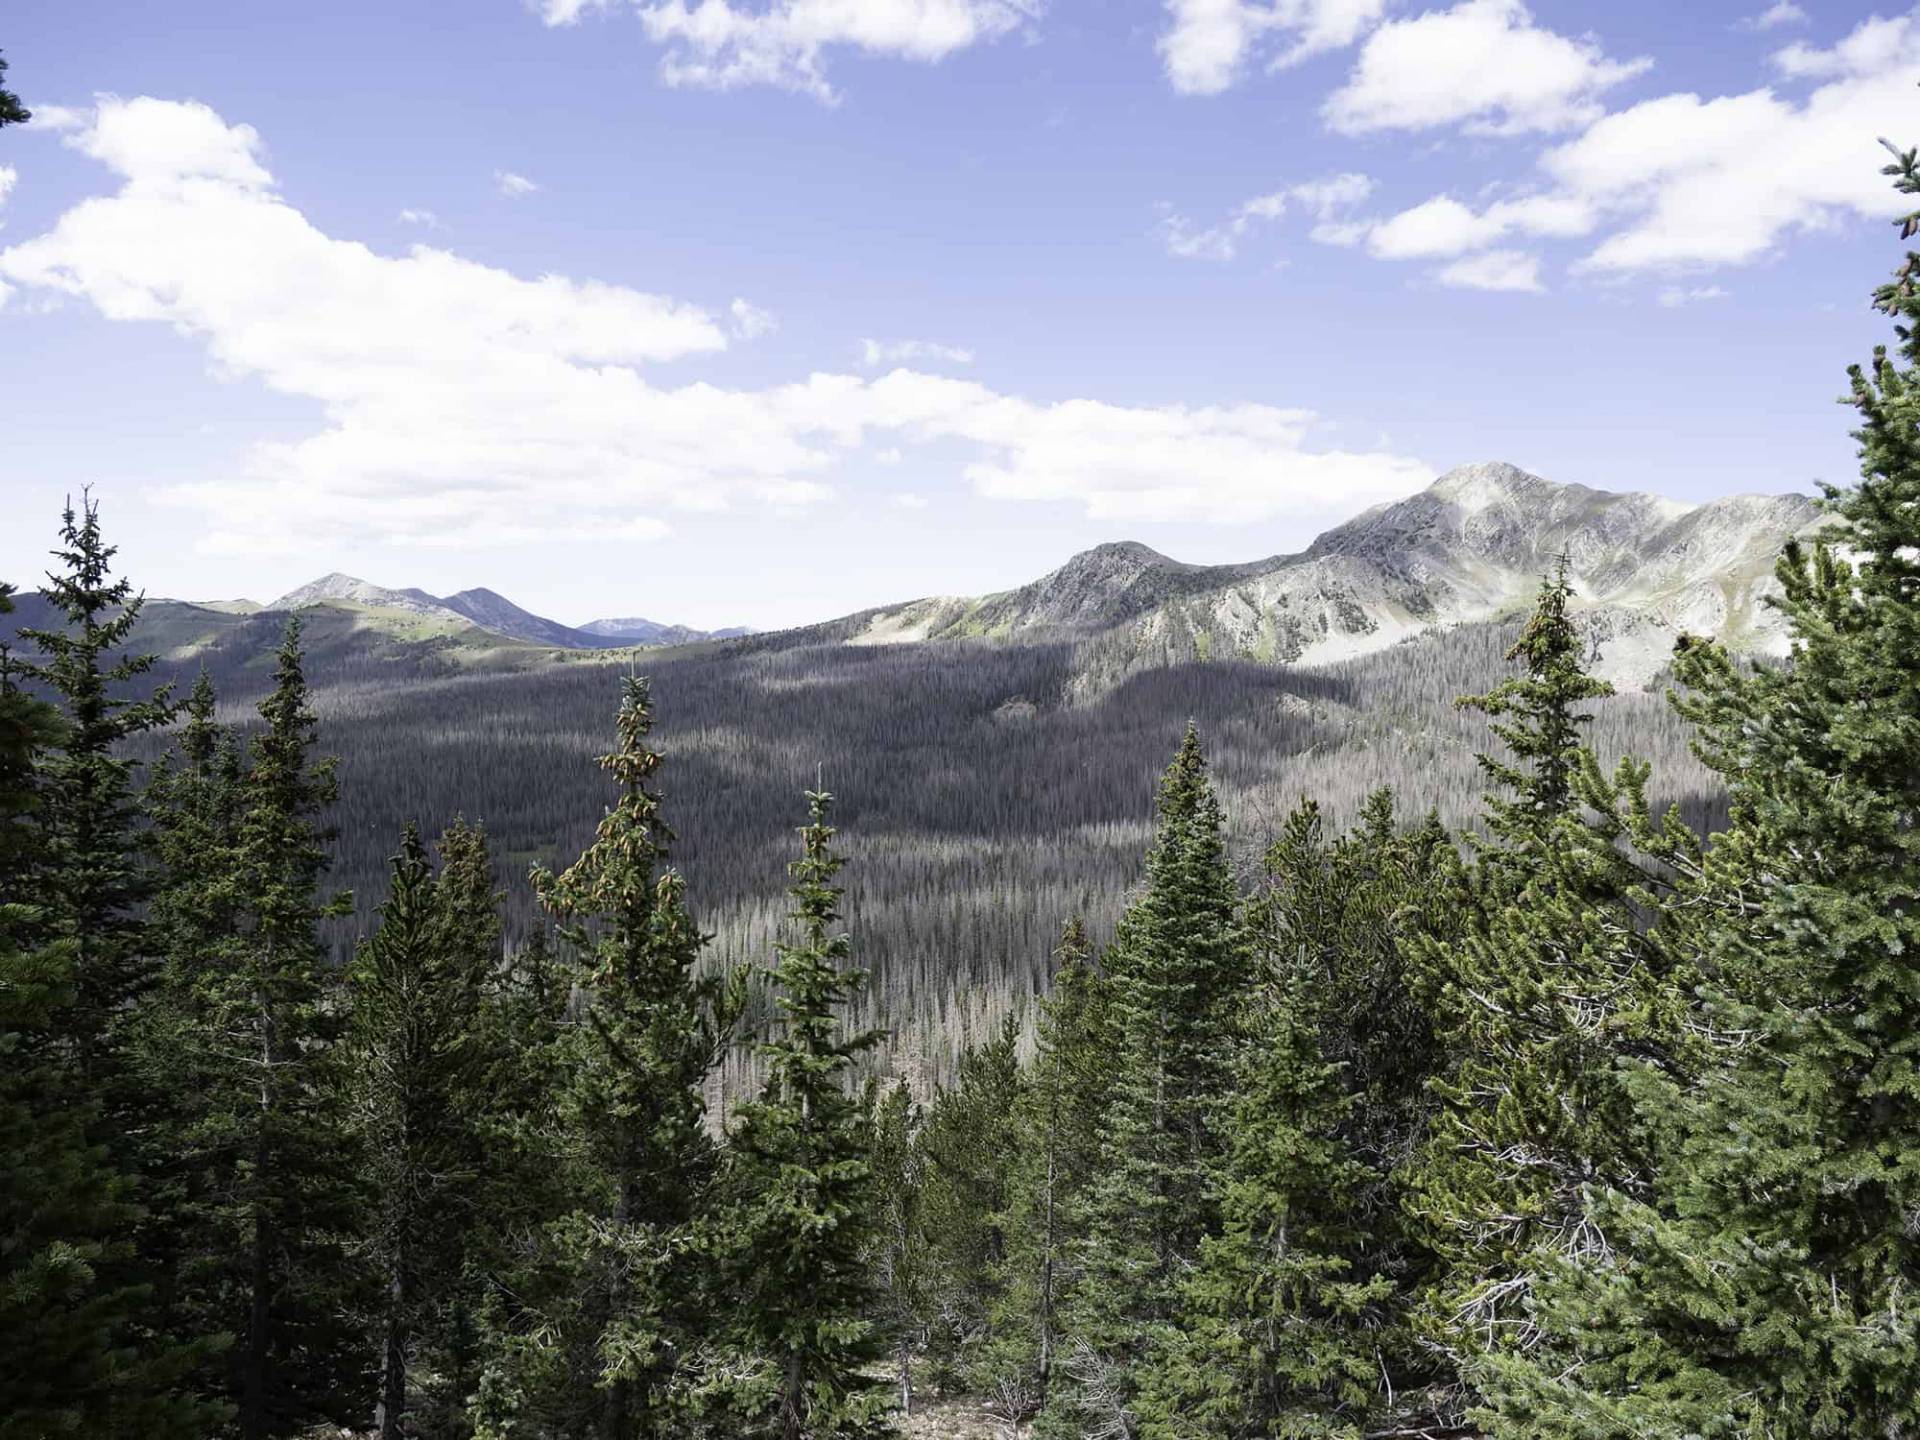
column 350, row 589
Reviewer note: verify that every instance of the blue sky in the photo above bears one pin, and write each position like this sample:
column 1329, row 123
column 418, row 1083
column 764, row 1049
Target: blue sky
column 799, row 307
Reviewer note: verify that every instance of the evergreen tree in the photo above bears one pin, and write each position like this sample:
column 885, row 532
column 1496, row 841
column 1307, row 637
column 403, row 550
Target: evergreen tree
column 801, row 1156
column 1054, row 1157
column 79, row 1360
column 277, row 1103
column 92, row 878
column 418, row 988
column 12, row 112
column 967, row 1174
column 1179, row 974
column 1546, row 982
column 1767, row 1285
column 618, row 1305
column 1270, row 1339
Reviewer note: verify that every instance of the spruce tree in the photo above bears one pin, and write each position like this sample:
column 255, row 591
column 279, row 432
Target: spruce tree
column 1767, row 1285
column 800, row 1154
column 280, row 1101
column 12, row 112
column 606, row 1335
column 1547, row 981
column 1270, row 1338
column 1055, row 1150
column 968, row 1172
column 80, row 1359
column 415, row 1052
column 1179, row 974
column 92, row 876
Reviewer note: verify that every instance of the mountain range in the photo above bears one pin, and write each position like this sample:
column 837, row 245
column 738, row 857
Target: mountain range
column 487, row 610
column 1471, row 548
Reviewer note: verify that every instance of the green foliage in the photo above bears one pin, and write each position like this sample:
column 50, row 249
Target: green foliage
column 803, row 1181
column 1052, row 1159
column 1546, row 980
column 1764, row 1283
column 605, row 1331
column 12, row 112
column 1179, row 974
column 78, row 1359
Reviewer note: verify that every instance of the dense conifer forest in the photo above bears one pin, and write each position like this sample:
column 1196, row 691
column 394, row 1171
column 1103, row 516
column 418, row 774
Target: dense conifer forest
column 1592, row 1118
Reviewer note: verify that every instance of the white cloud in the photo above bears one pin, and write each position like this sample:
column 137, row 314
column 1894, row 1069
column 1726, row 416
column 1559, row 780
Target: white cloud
column 750, row 322
column 718, row 45
column 1693, row 182
column 1870, row 48
column 1780, row 13
column 1685, row 182
column 511, row 185
column 459, row 404
column 875, row 353
column 1511, row 270
column 1675, row 296
column 426, row 219
column 9, row 177
column 910, row 501
column 1444, row 226
column 1208, row 43
column 1327, row 200
column 1483, row 64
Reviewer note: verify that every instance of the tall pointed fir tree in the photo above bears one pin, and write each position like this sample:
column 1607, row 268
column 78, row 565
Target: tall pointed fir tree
column 1546, row 982
column 1770, row 1284
column 80, row 1359
column 415, row 1051
column 1055, row 1154
column 806, row 1189
column 963, row 1203
column 1180, row 971
column 605, row 1334
column 277, row 1100
column 92, row 876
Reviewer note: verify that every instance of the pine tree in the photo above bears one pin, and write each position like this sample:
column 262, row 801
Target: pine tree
column 79, row 1360
column 968, row 1172
column 1546, row 983
column 418, row 988
column 1270, row 1339
column 1179, row 973
column 1767, row 1284
column 603, row 1337
column 802, row 1168
column 278, row 1101
column 92, row 876
column 12, row 112
column 1055, row 1154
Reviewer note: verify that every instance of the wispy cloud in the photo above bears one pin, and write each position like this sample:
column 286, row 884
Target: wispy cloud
column 426, row 219
column 750, row 322
column 511, row 185
column 1328, row 201
column 875, row 353
column 1208, row 45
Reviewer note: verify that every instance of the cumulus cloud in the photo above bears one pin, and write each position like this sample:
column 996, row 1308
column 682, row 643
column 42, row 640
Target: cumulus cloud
column 1510, row 270
column 1327, row 201
column 1775, row 16
column 875, row 353
column 1208, row 44
column 716, row 44
column 511, row 185
column 750, row 322
column 460, row 404
column 1686, row 182
column 1484, row 65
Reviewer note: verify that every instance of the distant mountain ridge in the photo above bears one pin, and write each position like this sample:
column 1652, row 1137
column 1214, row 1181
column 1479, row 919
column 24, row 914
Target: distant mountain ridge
column 1471, row 547
column 493, row 612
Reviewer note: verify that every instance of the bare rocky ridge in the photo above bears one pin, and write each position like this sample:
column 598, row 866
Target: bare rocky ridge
column 1470, row 548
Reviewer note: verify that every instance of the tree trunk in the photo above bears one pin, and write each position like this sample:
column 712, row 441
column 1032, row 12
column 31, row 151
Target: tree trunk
column 253, row 1376
column 393, row 1357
